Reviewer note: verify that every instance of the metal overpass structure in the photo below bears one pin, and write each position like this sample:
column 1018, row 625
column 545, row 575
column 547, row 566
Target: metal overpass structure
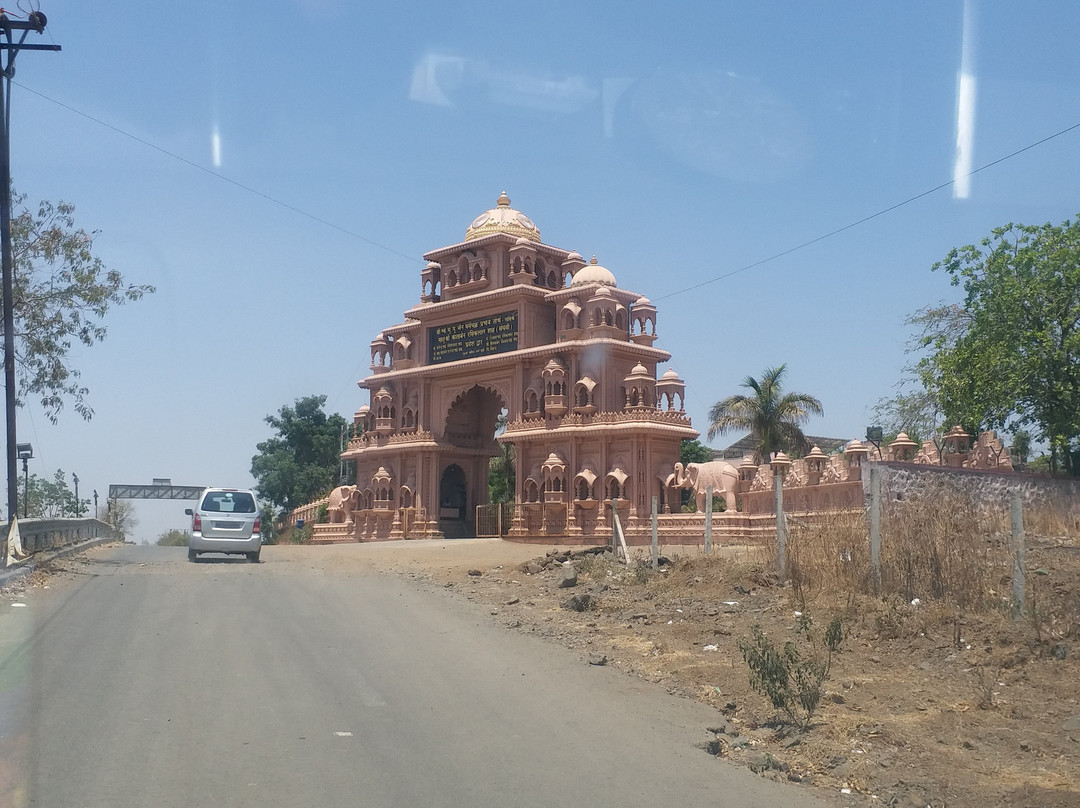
column 160, row 489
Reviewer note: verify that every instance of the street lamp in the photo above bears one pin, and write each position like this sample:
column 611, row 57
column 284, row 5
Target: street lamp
column 25, row 452
column 75, row 477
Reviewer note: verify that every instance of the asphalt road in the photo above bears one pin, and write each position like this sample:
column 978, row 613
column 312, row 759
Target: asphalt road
column 150, row 681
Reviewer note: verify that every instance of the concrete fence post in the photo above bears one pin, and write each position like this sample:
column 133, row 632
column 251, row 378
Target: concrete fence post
column 875, row 527
column 617, row 532
column 655, row 538
column 781, row 525
column 708, row 519
column 1019, row 566
column 614, row 529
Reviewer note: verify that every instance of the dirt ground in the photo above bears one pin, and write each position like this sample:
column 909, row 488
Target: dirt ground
column 921, row 706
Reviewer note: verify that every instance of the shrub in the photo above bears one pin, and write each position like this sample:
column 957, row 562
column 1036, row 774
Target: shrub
column 269, row 525
column 302, row 535
column 174, row 538
column 834, row 635
column 792, row 684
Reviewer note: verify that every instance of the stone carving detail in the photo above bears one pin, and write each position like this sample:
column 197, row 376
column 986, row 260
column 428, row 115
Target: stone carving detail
column 831, row 474
column 988, row 453
column 795, row 477
column 762, row 482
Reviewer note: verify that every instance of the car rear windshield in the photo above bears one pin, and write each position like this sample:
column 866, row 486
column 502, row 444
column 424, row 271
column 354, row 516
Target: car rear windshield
column 229, row 502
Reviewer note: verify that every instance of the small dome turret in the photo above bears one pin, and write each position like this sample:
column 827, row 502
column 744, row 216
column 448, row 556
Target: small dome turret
column 593, row 273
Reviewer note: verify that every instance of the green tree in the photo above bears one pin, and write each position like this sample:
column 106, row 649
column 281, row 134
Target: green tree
column 268, row 524
column 916, row 406
column 1021, row 446
column 502, row 468
column 1016, row 360
column 693, row 451
column 771, row 416
column 1039, row 465
column 501, row 475
column 61, row 294
column 42, row 498
column 121, row 516
column 913, row 411
column 301, row 462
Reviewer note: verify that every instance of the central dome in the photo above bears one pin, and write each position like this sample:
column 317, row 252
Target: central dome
column 502, row 219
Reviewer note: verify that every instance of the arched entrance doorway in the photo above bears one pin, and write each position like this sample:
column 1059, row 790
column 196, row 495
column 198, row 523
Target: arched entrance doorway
column 469, row 438
column 472, row 419
column 453, row 494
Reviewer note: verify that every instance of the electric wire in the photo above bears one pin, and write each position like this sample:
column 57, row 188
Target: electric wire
column 716, row 279
column 866, row 219
column 219, row 176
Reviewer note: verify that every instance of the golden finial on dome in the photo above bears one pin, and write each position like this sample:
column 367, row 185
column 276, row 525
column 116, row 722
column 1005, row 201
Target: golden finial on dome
column 503, row 201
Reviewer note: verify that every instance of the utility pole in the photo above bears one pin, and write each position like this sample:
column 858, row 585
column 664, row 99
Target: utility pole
column 9, row 49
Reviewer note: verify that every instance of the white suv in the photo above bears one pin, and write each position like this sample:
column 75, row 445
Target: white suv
column 225, row 521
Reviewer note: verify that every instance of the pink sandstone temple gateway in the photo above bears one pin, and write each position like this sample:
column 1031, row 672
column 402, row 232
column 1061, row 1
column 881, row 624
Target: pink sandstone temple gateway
column 510, row 328
column 507, row 325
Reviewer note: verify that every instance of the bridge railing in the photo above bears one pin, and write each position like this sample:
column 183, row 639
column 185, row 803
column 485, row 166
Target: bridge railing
column 52, row 534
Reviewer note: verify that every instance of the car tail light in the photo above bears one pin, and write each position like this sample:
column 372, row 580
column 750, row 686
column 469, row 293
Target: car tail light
column 257, row 529
column 196, row 524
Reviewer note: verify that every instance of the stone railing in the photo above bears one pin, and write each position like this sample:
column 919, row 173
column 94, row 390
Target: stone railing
column 309, row 513
column 333, row 533
column 601, row 418
column 369, row 439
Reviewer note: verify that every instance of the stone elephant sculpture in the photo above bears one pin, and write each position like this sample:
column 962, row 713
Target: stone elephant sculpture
column 721, row 475
column 343, row 501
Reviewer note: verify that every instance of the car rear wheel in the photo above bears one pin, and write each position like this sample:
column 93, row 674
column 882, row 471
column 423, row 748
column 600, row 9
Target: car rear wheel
column 253, row 557
column 191, row 555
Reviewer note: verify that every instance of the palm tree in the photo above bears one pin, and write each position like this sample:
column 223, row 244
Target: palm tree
column 772, row 417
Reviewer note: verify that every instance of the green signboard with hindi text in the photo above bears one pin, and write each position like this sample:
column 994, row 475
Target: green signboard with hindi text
column 482, row 336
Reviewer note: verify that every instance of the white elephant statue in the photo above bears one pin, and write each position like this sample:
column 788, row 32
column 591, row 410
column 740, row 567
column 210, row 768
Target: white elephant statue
column 343, row 501
column 721, row 475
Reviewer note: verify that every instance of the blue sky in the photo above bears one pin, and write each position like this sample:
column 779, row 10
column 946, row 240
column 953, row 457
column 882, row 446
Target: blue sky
column 678, row 144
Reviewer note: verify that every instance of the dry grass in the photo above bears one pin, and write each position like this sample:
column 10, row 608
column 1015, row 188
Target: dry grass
column 945, row 547
column 828, row 556
column 941, row 548
column 1056, row 515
